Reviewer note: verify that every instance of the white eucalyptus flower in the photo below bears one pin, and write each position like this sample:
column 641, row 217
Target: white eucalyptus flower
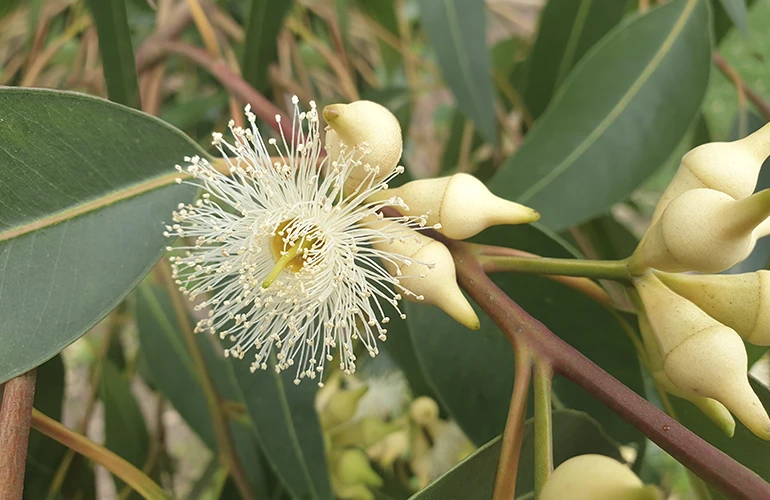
column 282, row 258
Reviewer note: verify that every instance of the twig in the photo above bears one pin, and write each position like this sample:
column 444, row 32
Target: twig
column 510, row 449
column 14, row 434
column 709, row 463
column 543, row 425
column 99, row 454
column 227, row 453
column 237, row 86
column 726, row 69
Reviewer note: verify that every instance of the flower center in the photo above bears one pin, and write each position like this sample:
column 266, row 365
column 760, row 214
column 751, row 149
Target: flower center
column 291, row 258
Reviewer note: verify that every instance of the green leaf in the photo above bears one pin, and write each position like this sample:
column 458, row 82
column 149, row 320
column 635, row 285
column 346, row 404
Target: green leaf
column 86, row 187
column 282, row 416
column 472, row 372
column 744, row 446
column 457, row 31
column 264, row 23
column 574, row 433
column 617, row 117
column 384, row 13
column 124, row 428
column 568, row 28
column 43, row 453
column 738, row 13
column 288, row 429
column 116, row 50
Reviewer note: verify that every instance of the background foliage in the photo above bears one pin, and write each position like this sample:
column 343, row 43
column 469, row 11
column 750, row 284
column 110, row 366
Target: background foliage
column 579, row 108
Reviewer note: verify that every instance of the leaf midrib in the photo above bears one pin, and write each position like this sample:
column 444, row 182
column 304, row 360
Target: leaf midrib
column 622, row 104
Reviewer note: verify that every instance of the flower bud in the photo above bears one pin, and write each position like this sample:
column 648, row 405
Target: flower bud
column 390, row 448
column 596, row 477
column 351, row 466
column 461, row 204
column 368, row 127
column 428, row 274
column 364, row 432
column 424, row 411
column 713, row 409
column 729, row 167
column 701, row 355
column 740, row 301
column 341, row 407
column 701, row 230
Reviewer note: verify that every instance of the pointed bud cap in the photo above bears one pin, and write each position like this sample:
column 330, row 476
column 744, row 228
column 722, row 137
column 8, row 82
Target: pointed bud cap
column 461, row 204
column 352, row 467
column 341, row 407
column 701, row 230
column 713, row 409
column 740, row 301
column 368, row 127
column 424, row 411
column 729, row 167
column 700, row 355
column 596, row 477
column 429, row 277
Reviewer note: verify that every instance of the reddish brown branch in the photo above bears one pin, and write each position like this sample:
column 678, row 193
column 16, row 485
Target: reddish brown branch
column 15, row 417
column 761, row 105
column 709, row 463
column 235, row 85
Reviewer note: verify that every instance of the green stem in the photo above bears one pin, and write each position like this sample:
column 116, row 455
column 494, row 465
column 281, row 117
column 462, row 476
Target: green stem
column 596, row 269
column 543, row 425
column 99, row 454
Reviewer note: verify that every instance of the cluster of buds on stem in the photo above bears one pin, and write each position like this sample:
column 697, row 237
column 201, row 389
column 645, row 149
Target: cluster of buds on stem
column 459, row 206
column 694, row 325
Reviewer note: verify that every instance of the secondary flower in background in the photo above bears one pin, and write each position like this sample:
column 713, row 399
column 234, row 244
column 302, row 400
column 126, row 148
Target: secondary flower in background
column 284, row 259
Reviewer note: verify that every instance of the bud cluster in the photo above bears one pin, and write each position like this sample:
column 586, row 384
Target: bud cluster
column 367, row 428
column 459, row 206
column 694, row 325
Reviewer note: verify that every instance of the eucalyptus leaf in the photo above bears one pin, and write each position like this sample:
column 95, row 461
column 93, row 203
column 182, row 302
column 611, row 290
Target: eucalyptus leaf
column 86, row 186
column 116, row 50
column 259, row 48
column 738, row 13
column 617, row 117
column 568, row 28
column 457, row 32
column 574, row 433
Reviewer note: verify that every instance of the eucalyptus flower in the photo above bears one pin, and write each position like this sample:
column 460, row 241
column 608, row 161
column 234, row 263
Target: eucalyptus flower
column 286, row 260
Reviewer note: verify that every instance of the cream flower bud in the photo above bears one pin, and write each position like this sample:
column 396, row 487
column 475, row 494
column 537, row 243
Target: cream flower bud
column 701, row 355
column 701, row 230
column 363, row 433
column 461, row 204
column 729, row 167
column 596, row 477
column 352, row 466
column 429, row 274
column 369, row 127
column 713, row 409
column 341, row 407
column 424, row 411
column 389, row 449
column 740, row 301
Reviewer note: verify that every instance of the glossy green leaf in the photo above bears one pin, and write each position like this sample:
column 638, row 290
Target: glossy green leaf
column 574, row 433
column 472, row 372
column 738, row 13
column 383, row 12
column 284, row 420
column 264, row 23
column 43, row 453
column 617, row 117
column 172, row 372
column 744, row 446
column 86, row 186
column 457, row 32
column 568, row 28
column 125, row 432
column 116, row 50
